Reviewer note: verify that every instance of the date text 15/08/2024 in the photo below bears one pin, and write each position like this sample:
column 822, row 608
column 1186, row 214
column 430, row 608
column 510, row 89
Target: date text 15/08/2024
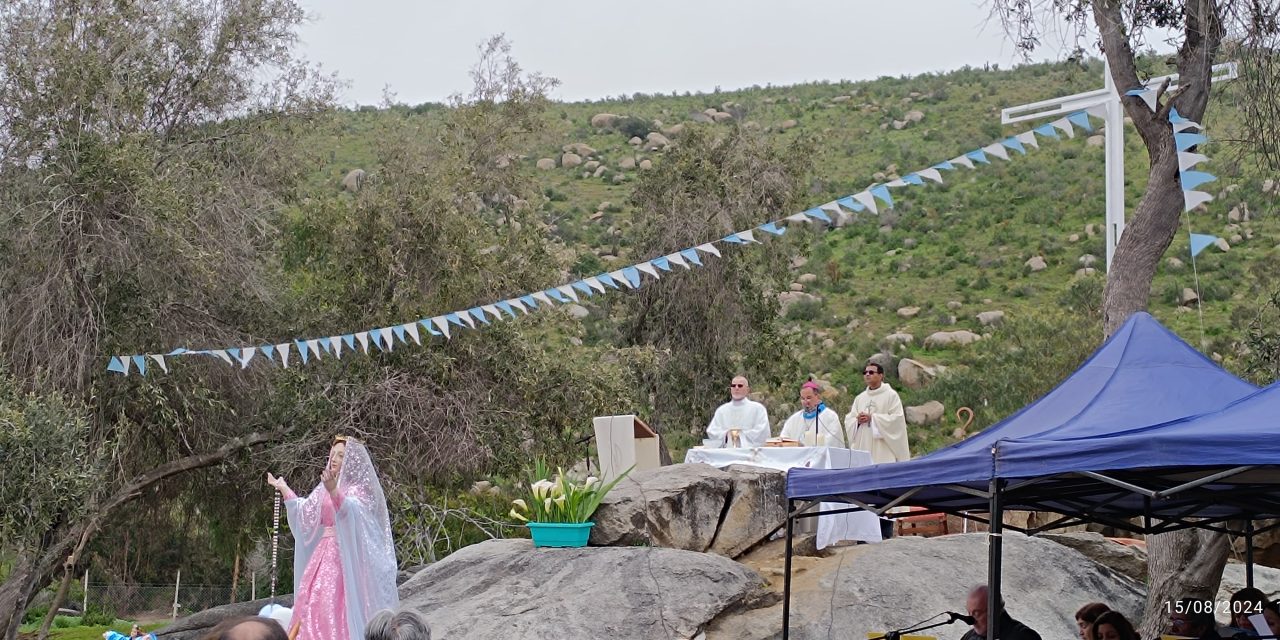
column 1222, row 607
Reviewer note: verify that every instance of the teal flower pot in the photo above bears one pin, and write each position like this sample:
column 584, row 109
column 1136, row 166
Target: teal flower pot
column 560, row 534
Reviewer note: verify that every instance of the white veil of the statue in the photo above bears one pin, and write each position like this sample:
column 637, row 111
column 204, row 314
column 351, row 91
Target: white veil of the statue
column 363, row 530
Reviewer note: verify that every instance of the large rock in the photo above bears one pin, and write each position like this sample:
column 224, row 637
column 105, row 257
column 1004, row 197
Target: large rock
column 1036, row 263
column 570, row 160
column 1126, row 560
column 677, row 506
column 577, row 311
column 915, row 374
column 757, row 505
column 1188, row 297
column 991, row 318
column 508, row 589
column 925, row 414
column 655, row 141
column 579, row 148
column 788, row 298
column 898, row 338
column 603, row 120
column 950, row 338
column 908, row 312
column 788, row 124
column 901, row 581
column 353, row 180
column 628, row 162
column 197, row 625
column 545, row 164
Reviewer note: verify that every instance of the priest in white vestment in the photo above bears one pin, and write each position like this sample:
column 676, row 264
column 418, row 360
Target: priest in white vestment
column 877, row 421
column 815, row 425
column 749, row 417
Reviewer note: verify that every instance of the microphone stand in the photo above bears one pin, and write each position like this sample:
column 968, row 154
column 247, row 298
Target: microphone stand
column 895, row 635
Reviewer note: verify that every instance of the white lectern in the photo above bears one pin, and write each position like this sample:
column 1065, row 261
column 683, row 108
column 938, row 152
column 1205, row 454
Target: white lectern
column 624, row 442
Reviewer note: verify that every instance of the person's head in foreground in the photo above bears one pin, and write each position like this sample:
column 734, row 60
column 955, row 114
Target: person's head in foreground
column 1244, row 603
column 247, row 628
column 1113, row 626
column 1192, row 618
column 397, row 625
column 976, row 605
column 1086, row 615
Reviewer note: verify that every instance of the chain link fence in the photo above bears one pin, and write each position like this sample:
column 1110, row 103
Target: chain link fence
column 157, row 601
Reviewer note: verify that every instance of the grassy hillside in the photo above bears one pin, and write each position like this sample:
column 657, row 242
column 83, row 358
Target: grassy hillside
column 951, row 251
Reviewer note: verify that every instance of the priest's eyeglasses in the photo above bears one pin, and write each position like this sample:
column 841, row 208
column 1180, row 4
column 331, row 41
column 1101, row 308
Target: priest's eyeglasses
column 737, row 386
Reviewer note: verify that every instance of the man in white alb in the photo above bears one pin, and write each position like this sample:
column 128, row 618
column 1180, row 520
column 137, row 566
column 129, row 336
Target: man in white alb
column 747, row 416
column 814, row 424
column 877, row 420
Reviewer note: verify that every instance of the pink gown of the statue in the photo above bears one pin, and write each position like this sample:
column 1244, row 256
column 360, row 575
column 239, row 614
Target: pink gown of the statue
column 320, row 601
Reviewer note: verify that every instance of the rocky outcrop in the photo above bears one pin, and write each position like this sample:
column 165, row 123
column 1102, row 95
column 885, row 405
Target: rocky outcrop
column 508, row 589
column 756, row 506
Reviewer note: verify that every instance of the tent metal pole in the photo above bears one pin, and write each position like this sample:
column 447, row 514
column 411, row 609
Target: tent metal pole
column 994, row 548
column 786, row 581
column 1221, row 475
column 1248, row 553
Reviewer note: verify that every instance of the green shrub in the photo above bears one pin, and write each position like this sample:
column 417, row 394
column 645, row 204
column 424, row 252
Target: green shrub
column 806, row 310
column 633, row 127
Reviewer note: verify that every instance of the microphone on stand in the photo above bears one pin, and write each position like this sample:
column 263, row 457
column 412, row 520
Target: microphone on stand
column 960, row 617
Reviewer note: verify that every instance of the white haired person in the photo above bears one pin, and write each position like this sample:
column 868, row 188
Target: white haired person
column 344, row 560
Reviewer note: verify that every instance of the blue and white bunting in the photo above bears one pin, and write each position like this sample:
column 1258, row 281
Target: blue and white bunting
column 835, row 212
column 1200, row 241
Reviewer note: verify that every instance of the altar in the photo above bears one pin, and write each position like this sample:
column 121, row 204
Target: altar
column 858, row 525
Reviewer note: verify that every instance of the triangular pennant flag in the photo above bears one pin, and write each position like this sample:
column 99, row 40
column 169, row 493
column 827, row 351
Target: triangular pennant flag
column 302, row 350
column 529, row 301
column 1187, row 140
column 1200, row 241
column 399, row 331
column 1179, row 127
column 1193, row 199
column 867, row 200
column 896, row 183
column 664, row 262
column 517, row 304
column 1015, row 144
column 594, row 283
column 177, row 352
column 506, row 307
column 849, row 203
column 140, row 363
column 246, row 355
column 798, row 217
column 387, row 342
column 632, row 276
column 412, row 329
column 647, row 267
column 608, row 281
column 492, row 309
column 1176, row 117
column 944, row 165
column 709, row 248
column 478, row 314
column 1147, row 95
column 314, row 346
column 678, row 258
column 963, row 161
column 912, row 178
column 557, row 296
column 460, row 320
column 542, row 297
column 1028, row 138
column 818, row 213
column 363, row 337
column 431, row 327
column 582, row 286
column 443, row 325
column 1064, row 125
column 932, row 174
column 996, row 149
column 1186, row 159
column 221, row 353
column 159, row 359
column 691, row 256
column 1046, row 130
column 375, row 337
column 335, row 346
column 1098, row 111
column 619, row 276
column 767, row 227
column 118, row 365
column 235, row 353
column 327, row 345
column 283, row 350
column 732, row 239
column 269, row 351
column 350, row 339
column 978, row 156
column 882, row 192
column 1081, row 119
column 1193, row 179
column 567, row 292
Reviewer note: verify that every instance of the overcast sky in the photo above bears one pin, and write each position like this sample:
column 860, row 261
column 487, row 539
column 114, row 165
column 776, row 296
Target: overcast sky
column 422, row 49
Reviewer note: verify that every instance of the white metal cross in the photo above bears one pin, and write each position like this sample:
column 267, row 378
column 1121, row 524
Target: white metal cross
column 1105, row 103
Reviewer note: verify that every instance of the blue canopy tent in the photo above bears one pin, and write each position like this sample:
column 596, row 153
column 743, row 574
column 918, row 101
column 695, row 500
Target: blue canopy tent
column 1059, row 454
